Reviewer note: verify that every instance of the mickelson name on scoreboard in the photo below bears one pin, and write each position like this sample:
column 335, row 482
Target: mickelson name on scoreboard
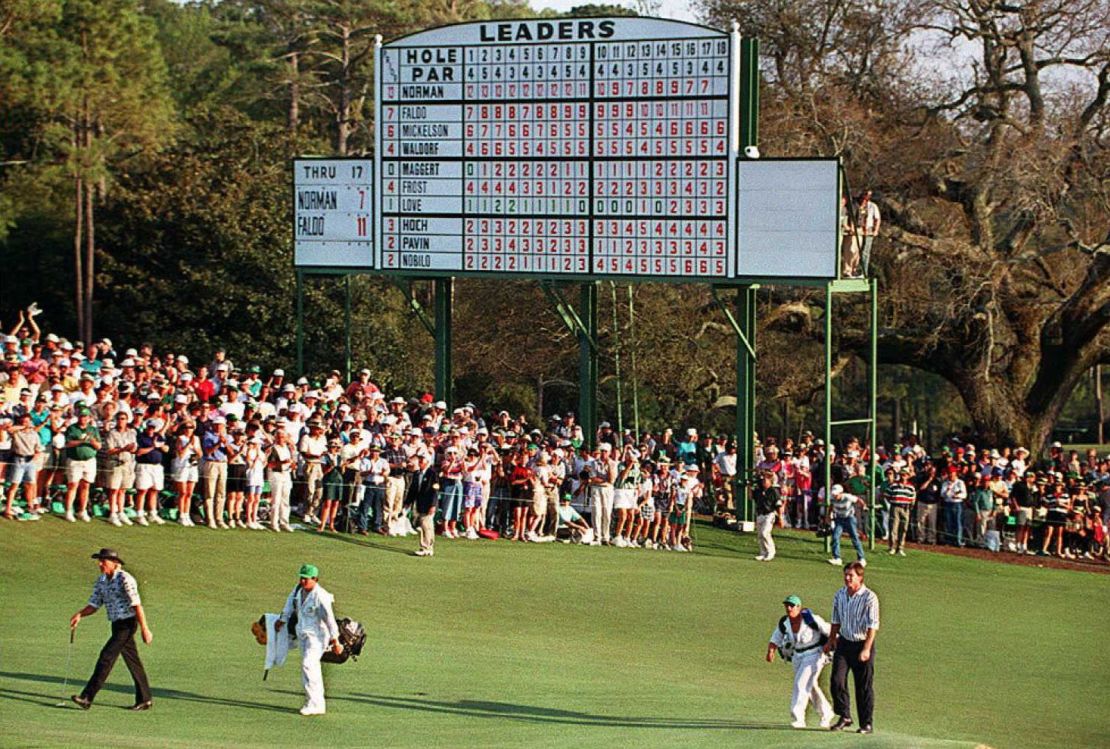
column 436, row 141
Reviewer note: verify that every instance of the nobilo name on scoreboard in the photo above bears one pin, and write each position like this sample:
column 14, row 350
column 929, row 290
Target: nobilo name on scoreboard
column 586, row 147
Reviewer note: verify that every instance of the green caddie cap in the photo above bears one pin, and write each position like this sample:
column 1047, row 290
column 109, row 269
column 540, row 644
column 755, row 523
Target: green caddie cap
column 309, row 570
column 789, row 600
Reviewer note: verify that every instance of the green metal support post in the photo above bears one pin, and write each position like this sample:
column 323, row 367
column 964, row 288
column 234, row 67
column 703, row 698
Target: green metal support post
column 745, row 302
column 749, row 92
column 745, row 402
column 347, row 327
column 300, row 323
column 872, row 402
column 632, row 365
column 587, row 364
column 828, row 402
column 617, row 359
column 444, row 292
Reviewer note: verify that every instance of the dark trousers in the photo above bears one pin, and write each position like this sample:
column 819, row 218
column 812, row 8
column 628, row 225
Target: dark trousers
column 371, row 503
column 122, row 642
column 954, row 523
column 926, row 523
column 863, row 672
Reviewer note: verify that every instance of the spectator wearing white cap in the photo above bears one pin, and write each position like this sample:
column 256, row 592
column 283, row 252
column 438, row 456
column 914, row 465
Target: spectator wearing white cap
column 255, row 458
column 236, row 473
column 686, row 493
column 280, row 460
column 185, row 469
column 687, row 450
column 452, row 469
column 26, row 449
column 394, row 453
column 120, row 445
column 842, row 514
column 312, row 447
column 374, row 469
column 216, row 445
column 624, row 495
column 768, row 501
column 362, row 387
column 602, row 474
column 150, row 452
column 82, row 442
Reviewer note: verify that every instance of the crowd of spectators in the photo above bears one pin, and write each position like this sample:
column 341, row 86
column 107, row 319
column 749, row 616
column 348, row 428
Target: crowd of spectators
column 141, row 437
column 960, row 495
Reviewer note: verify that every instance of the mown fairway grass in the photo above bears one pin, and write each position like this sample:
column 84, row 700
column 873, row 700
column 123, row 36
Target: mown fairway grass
column 499, row 644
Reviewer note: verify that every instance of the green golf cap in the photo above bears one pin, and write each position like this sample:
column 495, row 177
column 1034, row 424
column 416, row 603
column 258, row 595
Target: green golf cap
column 309, row 570
column 789, row 600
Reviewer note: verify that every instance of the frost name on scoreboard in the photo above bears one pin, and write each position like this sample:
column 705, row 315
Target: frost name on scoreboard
column 580, row 147
column 333, row 202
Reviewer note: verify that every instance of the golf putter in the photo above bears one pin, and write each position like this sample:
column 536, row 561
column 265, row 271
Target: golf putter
column 69, row 659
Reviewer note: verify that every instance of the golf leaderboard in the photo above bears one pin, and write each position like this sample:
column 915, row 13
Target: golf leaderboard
column 591, row 146
column 580, row 148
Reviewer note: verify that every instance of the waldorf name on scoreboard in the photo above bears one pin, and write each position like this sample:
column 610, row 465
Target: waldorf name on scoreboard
column 511, row 151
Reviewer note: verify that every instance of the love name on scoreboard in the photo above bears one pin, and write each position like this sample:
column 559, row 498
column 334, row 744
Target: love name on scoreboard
column 586, row 147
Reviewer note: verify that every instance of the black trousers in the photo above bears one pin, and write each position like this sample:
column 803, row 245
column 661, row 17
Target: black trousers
column 863, row 672
column 122, row 642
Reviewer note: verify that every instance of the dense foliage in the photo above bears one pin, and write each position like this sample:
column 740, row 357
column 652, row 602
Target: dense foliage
column 144, row 185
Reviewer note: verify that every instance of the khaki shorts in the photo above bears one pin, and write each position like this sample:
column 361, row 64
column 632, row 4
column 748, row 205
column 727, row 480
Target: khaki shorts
column 121, row 476
column 539, row 502
column 1024, row 515
column 81, row 470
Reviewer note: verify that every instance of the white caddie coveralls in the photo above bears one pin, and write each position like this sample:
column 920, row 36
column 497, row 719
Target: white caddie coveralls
column 808, row 660
column 316, row 629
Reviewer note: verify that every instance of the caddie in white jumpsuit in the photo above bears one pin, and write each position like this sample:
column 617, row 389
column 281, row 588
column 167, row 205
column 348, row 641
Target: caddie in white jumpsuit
column 799, row 637
column 316, row 630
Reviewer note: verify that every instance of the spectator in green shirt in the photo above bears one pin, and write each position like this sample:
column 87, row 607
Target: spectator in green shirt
column 82, row 443
column 982, row 502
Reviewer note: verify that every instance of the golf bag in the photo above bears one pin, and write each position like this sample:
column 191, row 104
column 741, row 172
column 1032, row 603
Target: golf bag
column 352, row 637
column 787, row 650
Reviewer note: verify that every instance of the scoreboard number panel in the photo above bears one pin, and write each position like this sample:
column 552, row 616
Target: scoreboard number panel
column 333, row 208
column 586, row 147
column 788, row 218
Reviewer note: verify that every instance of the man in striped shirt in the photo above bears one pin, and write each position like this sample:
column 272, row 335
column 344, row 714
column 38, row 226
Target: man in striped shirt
column 118, row 593
column 855, row 619
column 901, row 495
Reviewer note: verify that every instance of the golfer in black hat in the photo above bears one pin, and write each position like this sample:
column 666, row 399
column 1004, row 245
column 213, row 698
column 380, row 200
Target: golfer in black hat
column 118, row 592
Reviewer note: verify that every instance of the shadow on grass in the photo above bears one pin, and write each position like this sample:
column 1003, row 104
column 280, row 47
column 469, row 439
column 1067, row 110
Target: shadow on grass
column 360, row 541
column 547, row 715
column 51, row 700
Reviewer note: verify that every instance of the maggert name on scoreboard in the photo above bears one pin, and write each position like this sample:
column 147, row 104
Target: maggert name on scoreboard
column 581, row 147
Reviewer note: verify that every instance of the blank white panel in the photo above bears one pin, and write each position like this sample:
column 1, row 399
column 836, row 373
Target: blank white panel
column 788, row 223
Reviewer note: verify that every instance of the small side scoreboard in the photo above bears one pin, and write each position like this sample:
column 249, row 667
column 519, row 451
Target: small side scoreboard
column 585, row 147
column 333, row 210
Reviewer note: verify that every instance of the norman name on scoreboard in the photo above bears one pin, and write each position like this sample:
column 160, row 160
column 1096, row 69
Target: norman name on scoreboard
column 584, row 147
column 333, row 202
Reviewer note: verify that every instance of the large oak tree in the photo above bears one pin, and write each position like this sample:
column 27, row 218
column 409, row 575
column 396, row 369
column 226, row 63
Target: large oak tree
column 982, row 125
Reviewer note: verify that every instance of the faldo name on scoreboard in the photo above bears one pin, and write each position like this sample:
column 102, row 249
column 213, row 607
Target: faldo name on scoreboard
column 576, row 147
column 333, row 204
